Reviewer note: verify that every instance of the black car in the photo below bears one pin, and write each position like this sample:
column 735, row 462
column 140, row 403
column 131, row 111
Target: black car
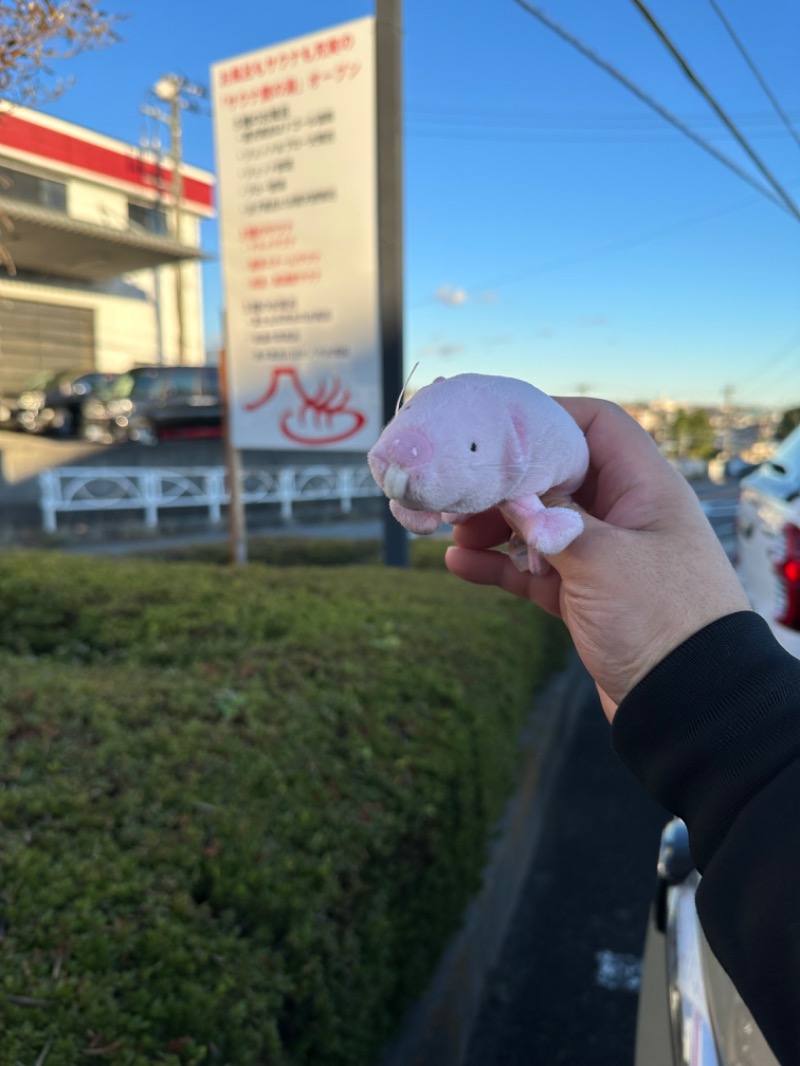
column 53, row 403
column 689, row 1013
column 155, row 403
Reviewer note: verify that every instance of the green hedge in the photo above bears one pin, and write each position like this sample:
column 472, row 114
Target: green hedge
column 242, row 810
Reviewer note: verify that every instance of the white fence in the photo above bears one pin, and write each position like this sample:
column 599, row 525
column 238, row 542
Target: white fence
column 75, row 489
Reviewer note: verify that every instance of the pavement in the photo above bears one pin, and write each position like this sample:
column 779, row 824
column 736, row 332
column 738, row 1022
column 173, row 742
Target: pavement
column 564, row 990
column 547, row 964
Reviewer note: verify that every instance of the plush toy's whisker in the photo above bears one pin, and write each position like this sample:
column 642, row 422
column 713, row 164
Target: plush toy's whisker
column 399, row 403
column 509, row 467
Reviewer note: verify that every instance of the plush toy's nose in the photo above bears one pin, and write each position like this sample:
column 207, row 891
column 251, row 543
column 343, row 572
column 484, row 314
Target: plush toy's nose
column 395, row 457
column 407, row 449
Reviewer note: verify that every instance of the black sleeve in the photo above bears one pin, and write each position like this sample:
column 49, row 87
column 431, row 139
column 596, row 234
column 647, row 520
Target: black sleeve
column 713, row 732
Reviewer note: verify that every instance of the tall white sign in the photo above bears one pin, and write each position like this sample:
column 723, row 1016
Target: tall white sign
column 297, row 170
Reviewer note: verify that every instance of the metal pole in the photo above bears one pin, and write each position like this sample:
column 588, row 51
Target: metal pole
column 389, row 57
column 176, row 148
column 237, row 519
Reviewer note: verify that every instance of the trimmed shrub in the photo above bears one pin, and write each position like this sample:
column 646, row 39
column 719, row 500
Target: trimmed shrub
column 242, row 810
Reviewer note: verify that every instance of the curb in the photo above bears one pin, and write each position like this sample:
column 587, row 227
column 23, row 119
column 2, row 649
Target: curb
column 438, row 1028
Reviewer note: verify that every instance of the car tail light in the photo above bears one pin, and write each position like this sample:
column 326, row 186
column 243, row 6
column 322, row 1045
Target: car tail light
column 787, row 567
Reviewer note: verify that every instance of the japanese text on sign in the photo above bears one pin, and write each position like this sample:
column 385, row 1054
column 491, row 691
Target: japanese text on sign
column 295, row 131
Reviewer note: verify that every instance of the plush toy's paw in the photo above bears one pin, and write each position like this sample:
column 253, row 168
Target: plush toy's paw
column 554, row 529
column 422, row 522
column 454, row 519
column 526, row 558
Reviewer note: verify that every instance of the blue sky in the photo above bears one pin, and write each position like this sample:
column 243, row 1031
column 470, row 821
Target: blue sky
column 556, row 228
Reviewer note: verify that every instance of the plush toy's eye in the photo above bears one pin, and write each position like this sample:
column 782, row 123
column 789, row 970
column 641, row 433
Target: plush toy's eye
column 473, row 447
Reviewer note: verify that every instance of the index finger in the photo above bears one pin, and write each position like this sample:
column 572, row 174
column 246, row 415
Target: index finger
column 609, row 430
column 624, row 460
column 488, row 529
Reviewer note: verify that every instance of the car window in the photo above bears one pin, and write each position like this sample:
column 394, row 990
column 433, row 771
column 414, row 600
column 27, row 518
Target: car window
column 183, row 381
column 189, row 383
column 172, row 382
column 210, row 381
column 787, row 457
column 146, row 384
column 118, row 388
column 89, row 382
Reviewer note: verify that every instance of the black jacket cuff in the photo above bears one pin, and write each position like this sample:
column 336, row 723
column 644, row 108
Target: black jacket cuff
column 711, row 724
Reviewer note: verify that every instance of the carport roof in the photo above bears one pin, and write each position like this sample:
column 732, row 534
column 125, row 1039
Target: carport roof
column 49, row 242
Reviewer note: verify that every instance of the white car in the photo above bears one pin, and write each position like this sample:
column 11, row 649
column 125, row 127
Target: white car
column 689, row 1012
column 768, row 541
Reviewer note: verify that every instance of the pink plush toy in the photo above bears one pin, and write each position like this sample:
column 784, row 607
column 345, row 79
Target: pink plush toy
column 464, row 444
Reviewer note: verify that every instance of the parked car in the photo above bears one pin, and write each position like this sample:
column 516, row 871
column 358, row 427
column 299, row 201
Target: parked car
column 156, row 403
column 768, row 541
column 729, row 468
column 689, row 1012
column 53, row 403
column 691, row 468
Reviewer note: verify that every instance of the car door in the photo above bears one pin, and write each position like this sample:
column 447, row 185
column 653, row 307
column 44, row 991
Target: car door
column 188, row 402
column 179, row 390
column 207, row 403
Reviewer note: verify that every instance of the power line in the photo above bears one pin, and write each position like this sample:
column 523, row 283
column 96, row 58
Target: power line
column 785, row 350
column 756, row 72
column 742, row 141
column 570, row 39
column 477, row 132
column 588, row 120
column 609, row 248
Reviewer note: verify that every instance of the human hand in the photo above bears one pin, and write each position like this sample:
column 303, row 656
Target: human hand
column 646, row 573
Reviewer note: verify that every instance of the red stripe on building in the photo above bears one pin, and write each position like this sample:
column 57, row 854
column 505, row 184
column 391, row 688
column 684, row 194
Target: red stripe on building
column 59, row 147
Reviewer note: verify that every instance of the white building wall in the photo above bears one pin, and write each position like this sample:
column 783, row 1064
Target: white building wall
column 89, row 202
column 132, row 325
column 135, row 317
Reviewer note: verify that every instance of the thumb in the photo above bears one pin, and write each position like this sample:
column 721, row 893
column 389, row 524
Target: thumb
column 536, row 559
column 588, row 548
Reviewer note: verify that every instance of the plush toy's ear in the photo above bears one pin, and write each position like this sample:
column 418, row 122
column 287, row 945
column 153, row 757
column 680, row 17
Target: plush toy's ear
column 517, row 444
column 440, row 378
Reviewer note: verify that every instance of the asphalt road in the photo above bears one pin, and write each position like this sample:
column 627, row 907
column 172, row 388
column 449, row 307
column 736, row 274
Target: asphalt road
column 565, row 989
column 564, row 992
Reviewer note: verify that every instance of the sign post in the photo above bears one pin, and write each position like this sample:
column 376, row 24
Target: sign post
column 237, row 520
column 390, row 230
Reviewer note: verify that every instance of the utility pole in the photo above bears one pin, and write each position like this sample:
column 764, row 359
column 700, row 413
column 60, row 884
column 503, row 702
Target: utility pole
column 727, row 414
column 389, row 58
column 174, row 90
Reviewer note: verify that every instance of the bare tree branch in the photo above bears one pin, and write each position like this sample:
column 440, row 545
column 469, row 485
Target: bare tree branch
column 33, row 33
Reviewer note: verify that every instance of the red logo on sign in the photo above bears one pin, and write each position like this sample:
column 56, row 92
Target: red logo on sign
column 317, row 419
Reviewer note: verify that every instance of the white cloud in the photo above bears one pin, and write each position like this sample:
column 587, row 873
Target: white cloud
column 440, row 350
column 446, row 294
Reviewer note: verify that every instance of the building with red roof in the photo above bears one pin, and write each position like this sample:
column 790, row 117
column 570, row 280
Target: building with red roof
column 98, row 270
